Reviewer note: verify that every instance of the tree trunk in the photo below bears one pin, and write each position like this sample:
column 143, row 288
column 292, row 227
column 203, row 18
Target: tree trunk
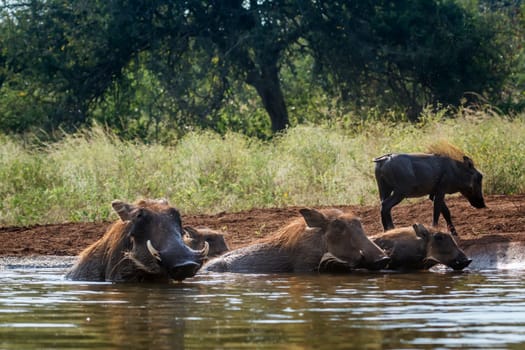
column 268, row 87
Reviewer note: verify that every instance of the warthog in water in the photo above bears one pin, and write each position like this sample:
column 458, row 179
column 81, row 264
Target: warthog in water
column 446, row 170
column 301, row 246
column 144, row 245
column 417, row 247
column 197, row 237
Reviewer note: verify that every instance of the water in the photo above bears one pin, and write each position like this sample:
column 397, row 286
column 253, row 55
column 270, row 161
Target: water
column 423, row 310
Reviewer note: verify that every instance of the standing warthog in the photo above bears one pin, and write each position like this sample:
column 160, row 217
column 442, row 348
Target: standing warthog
column 447, row 170
column 301, row 245
column 144, row 245
column 197, row 237
column 419, row 248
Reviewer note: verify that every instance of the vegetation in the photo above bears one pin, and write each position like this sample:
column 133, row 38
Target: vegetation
column 206, row 172
column 226, row 105
column 156, row 69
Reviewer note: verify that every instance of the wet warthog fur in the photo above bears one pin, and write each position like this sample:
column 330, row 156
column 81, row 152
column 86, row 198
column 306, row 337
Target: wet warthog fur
column 443, row 171
column 196, row 238
column 301, row 245
column 417, row 247
column 144, row 245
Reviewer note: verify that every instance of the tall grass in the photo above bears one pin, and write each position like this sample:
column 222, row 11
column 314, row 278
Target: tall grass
column 76, row 179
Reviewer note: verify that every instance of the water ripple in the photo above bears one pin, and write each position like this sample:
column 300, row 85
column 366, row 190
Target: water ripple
column 39, row 309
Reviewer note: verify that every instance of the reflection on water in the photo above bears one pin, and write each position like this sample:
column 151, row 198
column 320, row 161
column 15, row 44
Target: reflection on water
column 38, row 309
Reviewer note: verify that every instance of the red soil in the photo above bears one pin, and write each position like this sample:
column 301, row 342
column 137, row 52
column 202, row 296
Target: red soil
column 502, row 221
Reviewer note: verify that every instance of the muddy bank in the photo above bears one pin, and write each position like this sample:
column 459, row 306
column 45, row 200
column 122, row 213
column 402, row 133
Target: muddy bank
column 502, row 223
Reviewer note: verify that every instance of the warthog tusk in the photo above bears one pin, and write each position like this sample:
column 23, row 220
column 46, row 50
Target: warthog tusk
column 205, row 250
column 153, row 251
column 188, row 240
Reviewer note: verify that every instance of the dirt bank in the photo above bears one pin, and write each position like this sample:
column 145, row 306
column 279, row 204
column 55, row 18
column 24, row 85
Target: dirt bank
column 503, row 221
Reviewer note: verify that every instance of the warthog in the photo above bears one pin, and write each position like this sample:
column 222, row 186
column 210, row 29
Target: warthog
column 301, row 246
column 197, row 237
column 144, row 245
column 417, row 247
column 446, row 170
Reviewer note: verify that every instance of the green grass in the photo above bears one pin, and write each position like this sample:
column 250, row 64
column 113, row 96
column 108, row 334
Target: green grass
column 77, row 178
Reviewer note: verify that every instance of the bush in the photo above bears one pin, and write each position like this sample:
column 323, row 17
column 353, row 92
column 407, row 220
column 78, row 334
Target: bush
column 76, row 178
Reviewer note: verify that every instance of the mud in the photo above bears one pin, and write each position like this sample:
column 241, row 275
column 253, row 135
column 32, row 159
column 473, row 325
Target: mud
column 502, row 222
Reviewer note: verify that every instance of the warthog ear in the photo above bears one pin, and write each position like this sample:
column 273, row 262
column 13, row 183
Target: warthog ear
column 122, row 209
column 421, row 231
column 468, row 162
column 189, row 232
column 313, row 218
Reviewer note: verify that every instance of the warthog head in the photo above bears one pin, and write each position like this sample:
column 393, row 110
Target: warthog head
column 344, row 239
column 197, row 238
column 441, row 248
column 156, row 246
column 471, row 186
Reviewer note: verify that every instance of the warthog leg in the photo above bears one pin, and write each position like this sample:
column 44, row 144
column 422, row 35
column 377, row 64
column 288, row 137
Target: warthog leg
column 441, row 208
column 386, row 207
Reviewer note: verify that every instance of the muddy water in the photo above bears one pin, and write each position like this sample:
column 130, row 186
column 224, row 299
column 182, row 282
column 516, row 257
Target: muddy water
column 424, row 310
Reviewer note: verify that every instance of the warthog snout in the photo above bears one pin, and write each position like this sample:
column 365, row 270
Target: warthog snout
column 184, row 270
column 461, row 263
column 180, row 267
column 478, row 203
column 457, row 264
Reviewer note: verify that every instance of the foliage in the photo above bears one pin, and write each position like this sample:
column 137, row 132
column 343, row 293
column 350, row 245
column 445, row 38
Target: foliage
column 509, row 19
column 407, row 54
column 156, row 69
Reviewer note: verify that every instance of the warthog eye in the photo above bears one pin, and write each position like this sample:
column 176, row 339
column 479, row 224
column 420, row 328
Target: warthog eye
column 478, row 177
column 140, row 213
column 338, row 225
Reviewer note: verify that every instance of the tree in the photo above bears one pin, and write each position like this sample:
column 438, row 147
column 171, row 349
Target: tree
column 76, row 49
column 250, row 37
column 78, row 60
column 405, row 53
column 80, row 49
